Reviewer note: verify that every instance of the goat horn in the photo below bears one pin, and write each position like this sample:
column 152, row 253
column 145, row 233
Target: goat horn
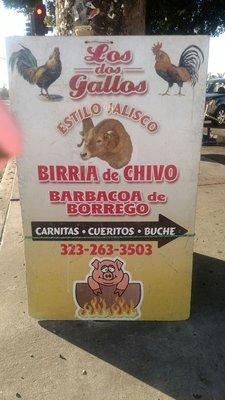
column 79, row 145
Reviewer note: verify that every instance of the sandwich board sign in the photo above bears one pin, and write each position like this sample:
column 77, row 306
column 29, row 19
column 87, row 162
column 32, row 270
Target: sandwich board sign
column 108, row 175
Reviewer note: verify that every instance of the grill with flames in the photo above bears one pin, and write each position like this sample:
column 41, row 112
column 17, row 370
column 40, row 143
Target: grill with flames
column 97, row 308
column 107, row 305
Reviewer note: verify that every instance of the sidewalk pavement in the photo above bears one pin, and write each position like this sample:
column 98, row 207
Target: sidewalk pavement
column 75, row 360
column 6, row 187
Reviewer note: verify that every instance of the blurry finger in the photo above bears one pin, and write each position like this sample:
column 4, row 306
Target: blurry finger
column 10, row 136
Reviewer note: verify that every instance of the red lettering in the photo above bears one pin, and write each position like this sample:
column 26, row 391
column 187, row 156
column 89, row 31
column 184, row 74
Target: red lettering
column 78, row 196
column 171, row 173
column 97, row 55
column 127, row 87
column 142, row 87
column 71, row 209
column 152, row 127
column 43, row 173
column 144, row 120
column 54, row 196
column 78, row 85
column 158, row 172
column 73, row 173
column 149, row 173
column 96, row 209
column 69, row 123
column 101, row 53
column 126, row 57
column 66, row 196
column 90, row 196
column 61, row 173
column 61, row 128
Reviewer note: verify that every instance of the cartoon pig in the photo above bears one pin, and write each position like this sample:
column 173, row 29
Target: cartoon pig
column 108, row 273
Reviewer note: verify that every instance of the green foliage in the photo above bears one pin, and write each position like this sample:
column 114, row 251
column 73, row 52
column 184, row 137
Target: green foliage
column 49, row 21
column 185, row 17
column 214, row 76
column 162, row 16
column 25, row 6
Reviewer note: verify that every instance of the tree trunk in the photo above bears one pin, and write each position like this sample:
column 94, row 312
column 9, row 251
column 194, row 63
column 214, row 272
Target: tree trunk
column 114, row 17
column 134, row 17
column 64, row 10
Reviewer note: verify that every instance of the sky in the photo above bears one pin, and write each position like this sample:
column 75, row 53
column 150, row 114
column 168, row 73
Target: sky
column 13, row 24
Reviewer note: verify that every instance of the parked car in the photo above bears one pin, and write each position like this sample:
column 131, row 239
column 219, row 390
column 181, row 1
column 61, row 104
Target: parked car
column 215, row 101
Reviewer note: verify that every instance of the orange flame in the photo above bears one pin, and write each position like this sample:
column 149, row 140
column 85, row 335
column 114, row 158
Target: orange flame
column 97, row 308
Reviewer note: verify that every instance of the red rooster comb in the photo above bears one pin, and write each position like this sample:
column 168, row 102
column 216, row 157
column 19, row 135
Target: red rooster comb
column 156, row 48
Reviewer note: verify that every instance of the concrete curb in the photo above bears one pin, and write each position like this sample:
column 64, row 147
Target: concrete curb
column 6, row 190
column 15, row 195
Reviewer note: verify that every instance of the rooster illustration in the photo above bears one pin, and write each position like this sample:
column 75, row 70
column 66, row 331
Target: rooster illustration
column 42, row 76
column 187, row 70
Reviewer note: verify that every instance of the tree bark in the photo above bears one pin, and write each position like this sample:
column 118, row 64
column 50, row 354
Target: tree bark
column 67, row 15
column 64, row 16
column 125, row 17
column 134, row 17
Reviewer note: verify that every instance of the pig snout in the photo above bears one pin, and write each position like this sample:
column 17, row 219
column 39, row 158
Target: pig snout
column 108, row 276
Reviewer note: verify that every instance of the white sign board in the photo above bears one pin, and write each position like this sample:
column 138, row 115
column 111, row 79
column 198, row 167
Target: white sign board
column 108, row 176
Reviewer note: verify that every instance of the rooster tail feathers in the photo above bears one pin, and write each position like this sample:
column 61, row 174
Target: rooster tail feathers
column 191, row 59
column 30, row 57
column 25, row 62
column 13, row 59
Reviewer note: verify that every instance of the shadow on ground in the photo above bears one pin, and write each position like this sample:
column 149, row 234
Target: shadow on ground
column 185, row 359
column 215, row 158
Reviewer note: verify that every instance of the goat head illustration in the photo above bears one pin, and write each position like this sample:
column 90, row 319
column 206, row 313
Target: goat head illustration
column 108, row 141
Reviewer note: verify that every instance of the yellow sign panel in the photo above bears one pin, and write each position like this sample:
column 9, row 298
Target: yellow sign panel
column 108, row 177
